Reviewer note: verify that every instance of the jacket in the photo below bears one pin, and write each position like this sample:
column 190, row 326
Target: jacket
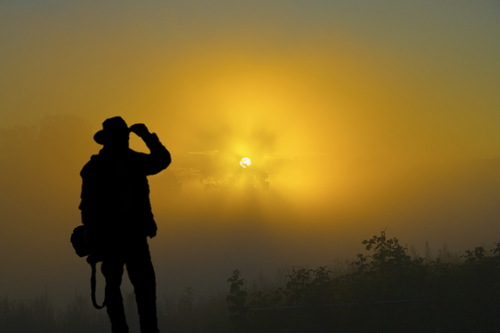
column 115, row 204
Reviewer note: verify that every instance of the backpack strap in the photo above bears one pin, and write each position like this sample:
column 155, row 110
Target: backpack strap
column 93, row 286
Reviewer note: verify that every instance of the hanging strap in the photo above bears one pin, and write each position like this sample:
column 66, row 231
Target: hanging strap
column 93, row 286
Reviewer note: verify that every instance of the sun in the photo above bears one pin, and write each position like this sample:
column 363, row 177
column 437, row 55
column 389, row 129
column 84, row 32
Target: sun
column 245, row 162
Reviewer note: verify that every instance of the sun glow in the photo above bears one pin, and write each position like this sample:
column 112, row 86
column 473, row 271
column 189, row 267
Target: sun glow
column 254, row 108
column 245, row 162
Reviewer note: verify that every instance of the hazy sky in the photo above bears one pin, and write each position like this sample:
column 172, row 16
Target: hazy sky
column 358, row 116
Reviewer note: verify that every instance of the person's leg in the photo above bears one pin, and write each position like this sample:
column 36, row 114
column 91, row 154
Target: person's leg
column 142, row 276
column 113, row 271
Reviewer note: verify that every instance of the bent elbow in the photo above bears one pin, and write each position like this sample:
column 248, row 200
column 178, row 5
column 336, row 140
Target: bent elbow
column 167, row 160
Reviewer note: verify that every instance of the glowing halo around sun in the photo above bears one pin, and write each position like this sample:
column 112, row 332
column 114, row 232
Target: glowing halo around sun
column 245, row 162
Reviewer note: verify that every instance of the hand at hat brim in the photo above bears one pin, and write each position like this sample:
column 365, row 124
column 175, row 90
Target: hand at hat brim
column 140, row 129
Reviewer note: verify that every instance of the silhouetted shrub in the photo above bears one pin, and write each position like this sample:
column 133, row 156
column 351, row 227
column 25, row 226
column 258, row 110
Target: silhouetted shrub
column 387, row 291
column 384, row 289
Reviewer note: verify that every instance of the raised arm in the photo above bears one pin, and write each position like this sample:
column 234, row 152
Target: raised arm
column 159, row 157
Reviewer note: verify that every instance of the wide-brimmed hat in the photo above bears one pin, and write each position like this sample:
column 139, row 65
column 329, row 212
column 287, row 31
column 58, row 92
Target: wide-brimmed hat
column 111, row 127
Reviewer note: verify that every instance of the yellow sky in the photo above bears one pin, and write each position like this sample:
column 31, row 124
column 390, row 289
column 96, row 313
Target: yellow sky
column 358, row 116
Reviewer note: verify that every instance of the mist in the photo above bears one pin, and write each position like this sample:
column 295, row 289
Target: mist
column 244, row 220
column 354, row 124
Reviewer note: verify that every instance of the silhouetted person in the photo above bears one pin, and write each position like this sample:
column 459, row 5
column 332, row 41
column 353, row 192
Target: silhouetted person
column 117, row 214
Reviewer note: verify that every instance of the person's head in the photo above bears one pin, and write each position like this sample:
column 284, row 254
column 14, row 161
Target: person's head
column 114, row 133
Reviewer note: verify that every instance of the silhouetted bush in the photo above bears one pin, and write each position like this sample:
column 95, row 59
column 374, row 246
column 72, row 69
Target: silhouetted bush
column 383, row 289
column 387, row 291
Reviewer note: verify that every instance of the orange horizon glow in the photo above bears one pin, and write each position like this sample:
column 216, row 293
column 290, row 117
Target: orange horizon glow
column 355, row 119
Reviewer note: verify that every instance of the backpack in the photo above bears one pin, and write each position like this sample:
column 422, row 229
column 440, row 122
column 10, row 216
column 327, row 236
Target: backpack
column 79, row 241
column 82, row 248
